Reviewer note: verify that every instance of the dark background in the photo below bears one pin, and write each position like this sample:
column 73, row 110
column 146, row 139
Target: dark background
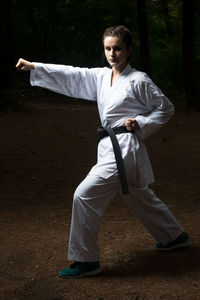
column 166, row 38
column 48, row 145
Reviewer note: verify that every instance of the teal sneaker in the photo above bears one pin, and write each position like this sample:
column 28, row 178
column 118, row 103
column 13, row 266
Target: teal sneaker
column 180, row 242
column 81, row 269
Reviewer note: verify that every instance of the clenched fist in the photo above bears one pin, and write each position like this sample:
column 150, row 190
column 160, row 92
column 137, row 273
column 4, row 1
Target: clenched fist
column 24, row 65
column 131, row 124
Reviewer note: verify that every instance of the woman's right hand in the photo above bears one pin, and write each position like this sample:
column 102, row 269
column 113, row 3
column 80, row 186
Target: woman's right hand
column 24, row 65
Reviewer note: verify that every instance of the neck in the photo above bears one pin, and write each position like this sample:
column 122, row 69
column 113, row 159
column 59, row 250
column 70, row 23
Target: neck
column 117, row 70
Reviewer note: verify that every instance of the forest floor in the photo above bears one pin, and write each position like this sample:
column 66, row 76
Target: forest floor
column 47, row 148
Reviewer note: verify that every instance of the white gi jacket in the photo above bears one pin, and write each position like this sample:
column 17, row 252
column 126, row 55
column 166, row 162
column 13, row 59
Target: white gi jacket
column 133, row 95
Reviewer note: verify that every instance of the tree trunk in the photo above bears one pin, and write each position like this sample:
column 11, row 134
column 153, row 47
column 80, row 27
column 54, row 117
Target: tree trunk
column 188, row 46
column 5, row 49
column 145, row 59
column 165, row 10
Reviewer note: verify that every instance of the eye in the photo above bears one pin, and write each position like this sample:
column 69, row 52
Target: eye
column 107, row 48
column 117, row 48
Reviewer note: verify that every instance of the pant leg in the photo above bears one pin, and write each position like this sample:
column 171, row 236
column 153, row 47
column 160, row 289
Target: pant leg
column 154, row 214
column 91, row 198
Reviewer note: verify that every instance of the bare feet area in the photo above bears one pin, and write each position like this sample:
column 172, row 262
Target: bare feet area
column 47, row 148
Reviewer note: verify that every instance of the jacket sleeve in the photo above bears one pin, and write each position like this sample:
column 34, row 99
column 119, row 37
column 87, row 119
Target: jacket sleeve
column 158, row 108
column 67, row 80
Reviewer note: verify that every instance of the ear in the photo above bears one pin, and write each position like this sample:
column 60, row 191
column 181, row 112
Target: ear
column 130, row 50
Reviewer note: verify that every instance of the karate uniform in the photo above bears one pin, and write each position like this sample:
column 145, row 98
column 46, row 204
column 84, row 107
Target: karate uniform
column 133, row 95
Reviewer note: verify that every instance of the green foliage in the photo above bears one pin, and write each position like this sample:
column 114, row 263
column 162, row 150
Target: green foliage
column 166, row 45
column 67, row 31
column 70, row 32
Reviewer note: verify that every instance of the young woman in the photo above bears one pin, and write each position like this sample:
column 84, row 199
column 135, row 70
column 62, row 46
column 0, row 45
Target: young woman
column 131, row 107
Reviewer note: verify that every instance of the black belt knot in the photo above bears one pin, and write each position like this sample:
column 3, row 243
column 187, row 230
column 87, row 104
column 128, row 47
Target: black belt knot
column 103, row 132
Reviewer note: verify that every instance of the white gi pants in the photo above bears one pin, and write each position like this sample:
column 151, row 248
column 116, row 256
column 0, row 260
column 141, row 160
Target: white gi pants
column 92, row 197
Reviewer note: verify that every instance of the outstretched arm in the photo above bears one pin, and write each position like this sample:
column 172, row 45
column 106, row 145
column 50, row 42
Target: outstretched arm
column 71, row 81
column 24, row 65
column 67, row 80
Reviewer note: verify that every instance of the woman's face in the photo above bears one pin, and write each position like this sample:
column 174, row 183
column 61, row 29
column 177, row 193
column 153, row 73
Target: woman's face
column 116, row 52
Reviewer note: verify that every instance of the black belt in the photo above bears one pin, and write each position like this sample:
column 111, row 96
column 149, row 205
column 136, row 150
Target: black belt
column 103, row 132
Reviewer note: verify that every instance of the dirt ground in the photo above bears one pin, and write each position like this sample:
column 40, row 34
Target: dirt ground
column 47, row 148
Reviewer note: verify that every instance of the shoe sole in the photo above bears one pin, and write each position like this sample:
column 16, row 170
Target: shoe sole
column 87, row 274
column 183, row 245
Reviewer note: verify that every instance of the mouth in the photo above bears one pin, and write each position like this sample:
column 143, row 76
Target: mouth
column 113, row 60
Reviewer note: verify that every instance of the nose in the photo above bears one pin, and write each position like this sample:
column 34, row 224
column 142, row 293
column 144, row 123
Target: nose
column 112, row 52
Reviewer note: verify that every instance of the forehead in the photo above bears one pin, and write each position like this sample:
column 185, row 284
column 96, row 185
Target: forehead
column 113, row 41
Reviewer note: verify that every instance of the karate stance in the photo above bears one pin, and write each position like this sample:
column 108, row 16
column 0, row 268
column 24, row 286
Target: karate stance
column 132, row 107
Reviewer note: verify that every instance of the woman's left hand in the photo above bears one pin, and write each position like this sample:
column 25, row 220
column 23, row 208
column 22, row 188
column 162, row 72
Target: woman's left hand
column 131, row 124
